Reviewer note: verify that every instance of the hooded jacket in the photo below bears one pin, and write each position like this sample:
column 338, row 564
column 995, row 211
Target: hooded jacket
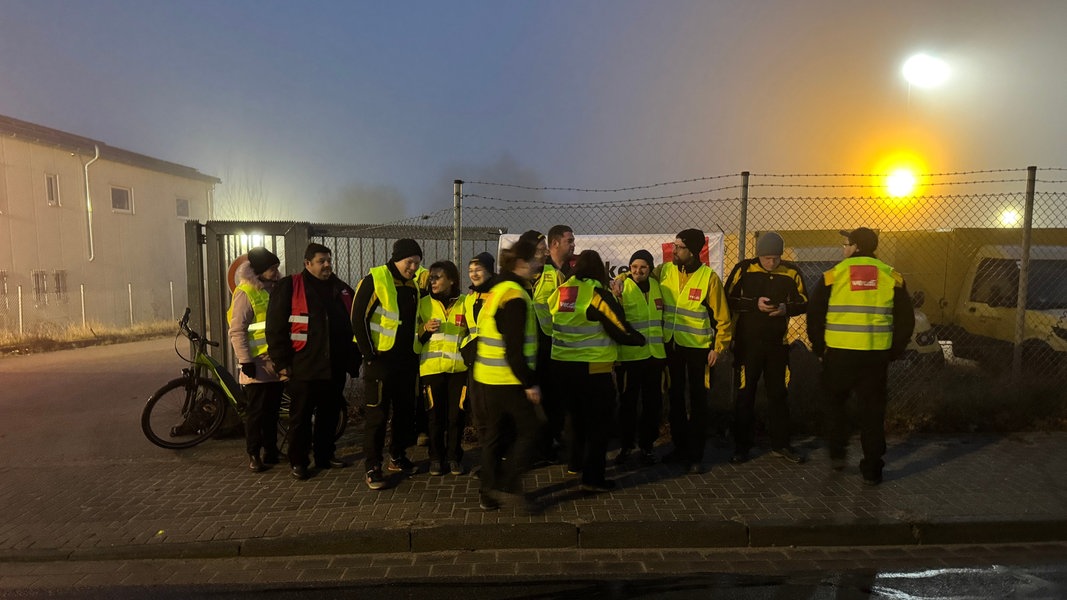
column 243, row 316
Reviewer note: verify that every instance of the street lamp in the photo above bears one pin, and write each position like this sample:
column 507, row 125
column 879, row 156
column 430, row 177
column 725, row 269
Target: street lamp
column 925, row 71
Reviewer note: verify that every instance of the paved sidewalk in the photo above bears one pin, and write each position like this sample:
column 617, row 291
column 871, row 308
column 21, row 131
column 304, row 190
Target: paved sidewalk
column 202, row 503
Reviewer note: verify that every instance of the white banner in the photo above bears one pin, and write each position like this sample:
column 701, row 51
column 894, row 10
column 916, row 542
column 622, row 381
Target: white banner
column 616, row 250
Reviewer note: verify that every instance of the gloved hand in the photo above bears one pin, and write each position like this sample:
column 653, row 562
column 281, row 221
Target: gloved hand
column 249, row 369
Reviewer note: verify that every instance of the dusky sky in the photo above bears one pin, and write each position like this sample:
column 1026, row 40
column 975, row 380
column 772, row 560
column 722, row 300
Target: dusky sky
column 366, row 111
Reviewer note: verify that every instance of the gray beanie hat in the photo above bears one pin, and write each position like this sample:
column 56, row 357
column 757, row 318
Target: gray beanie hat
column 770, row 244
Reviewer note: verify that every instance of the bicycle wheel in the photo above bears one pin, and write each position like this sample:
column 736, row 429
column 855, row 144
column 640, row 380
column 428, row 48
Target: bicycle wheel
column 342, row 421
column 180, row 415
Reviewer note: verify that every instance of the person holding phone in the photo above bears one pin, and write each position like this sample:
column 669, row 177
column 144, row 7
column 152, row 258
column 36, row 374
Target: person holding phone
column 763, row 292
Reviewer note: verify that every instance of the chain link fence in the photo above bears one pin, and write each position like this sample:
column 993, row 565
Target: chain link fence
column 973, row 247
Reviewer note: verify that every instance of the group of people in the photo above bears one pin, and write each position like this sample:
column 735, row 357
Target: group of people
column 538, row 353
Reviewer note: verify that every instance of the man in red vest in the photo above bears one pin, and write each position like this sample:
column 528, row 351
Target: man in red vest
column 309, row 339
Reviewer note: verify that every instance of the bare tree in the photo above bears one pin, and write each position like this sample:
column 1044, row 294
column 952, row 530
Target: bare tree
column 242, row 196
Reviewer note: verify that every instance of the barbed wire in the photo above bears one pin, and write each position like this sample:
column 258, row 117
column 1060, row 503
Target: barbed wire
column 946, row 174
column 879, row 185
column 598, row 190
column 613, row 202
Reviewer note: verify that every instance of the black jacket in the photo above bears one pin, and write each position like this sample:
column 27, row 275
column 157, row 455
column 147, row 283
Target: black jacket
column 330, row 349
column 407, row 298
column 747, row 283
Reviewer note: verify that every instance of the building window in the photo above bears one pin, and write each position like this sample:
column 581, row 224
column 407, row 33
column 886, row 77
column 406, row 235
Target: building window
column 59, row 278
column 51, row 187
column 121, row 200
column 182, row 208
column 40, row 287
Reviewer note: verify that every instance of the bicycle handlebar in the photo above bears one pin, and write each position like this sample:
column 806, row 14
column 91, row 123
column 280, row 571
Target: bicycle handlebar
column 183, row 327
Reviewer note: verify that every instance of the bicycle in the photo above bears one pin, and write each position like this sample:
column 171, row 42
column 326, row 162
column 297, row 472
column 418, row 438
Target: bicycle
column 191, row 408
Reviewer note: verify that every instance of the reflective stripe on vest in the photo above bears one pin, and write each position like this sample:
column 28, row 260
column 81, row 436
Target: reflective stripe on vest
column 574, row 337
column 385, row 318
column 491, row 366
column 544, row 288
column 685, row 318
column 298, row 317
column 257, row 331
column 860, row 311
column 469, row 301
column 646, row 315
column 441, row 352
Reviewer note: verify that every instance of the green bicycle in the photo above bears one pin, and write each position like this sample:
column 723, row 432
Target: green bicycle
column 191, row 408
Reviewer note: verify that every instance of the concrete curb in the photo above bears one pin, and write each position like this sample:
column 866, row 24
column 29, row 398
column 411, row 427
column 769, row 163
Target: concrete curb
column 613, row 535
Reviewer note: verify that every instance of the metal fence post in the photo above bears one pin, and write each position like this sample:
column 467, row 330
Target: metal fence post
column 457, row 221
column 20, row 311
column 1024, row 274
column 742, row 233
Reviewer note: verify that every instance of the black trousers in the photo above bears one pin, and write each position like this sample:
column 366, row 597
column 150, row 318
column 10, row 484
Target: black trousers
column 865, row 373
column 321, row 398
column 391, row 393
column 445, row 396
column 261, row 426
column 511, row 436
column 590, row 407
column 640, row 403
column 554, row 405
column 689, row 372
column 771, row 362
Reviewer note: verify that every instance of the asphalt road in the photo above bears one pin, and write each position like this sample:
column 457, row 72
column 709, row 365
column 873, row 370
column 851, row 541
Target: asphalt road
column 81, row 405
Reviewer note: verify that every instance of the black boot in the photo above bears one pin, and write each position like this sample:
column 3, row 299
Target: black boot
column 255, row 464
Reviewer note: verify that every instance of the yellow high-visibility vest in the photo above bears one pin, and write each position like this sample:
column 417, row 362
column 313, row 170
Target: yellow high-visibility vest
column 441, row 353
column 257, row 331
column 574, row 337
column 645, row 313
column 543, row 289
column 385, row 318
column 686, row 318
column 860, row 312
column 491, row 366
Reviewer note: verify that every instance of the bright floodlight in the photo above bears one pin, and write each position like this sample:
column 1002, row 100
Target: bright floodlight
column 900, row 182
column 925, row 71
column 1010, row 217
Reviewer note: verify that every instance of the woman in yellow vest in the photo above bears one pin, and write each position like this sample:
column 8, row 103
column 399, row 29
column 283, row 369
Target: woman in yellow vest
column 587, row 323
column 248, row 336
column 481, row 272
column 443, row 375
column 504, row 375
column 860, row 317
column 641, row 368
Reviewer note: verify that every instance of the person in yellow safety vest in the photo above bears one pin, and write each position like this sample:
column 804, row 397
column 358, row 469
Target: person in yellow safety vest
column 640, row 371
column 504, row 375
column 764, row 292
column 309, row 339
column 860, row 317
column 422, row 422
column 587, row 325
column 481, row 273
column 697, row 330
column 248, row 336
column 558, row 250
column 385, row 322
column 443, row 375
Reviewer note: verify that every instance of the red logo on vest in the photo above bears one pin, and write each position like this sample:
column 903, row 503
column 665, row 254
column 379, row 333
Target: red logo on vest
column 659, row 303
column 568, row 296
column 863, row 278
column 694, row 294
column 461, row 321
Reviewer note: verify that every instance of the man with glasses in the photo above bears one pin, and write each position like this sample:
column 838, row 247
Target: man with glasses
column 860, row 318
column 696, row 330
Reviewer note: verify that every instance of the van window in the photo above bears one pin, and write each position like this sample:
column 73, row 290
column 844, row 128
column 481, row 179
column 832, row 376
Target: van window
column 996, row 283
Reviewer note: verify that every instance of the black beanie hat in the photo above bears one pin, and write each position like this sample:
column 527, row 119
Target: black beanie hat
column 404, row 248
column 644, row 255
column 486, row 260
column 262, row 259
column 693, row 239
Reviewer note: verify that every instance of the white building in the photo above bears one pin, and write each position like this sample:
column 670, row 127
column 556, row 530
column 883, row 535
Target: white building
column 89, row 231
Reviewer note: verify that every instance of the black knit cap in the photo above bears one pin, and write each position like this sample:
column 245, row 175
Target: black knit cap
column 404, row 248
column 644, row 255
column 486, row 260
column 693, row 239
column 262, row 259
